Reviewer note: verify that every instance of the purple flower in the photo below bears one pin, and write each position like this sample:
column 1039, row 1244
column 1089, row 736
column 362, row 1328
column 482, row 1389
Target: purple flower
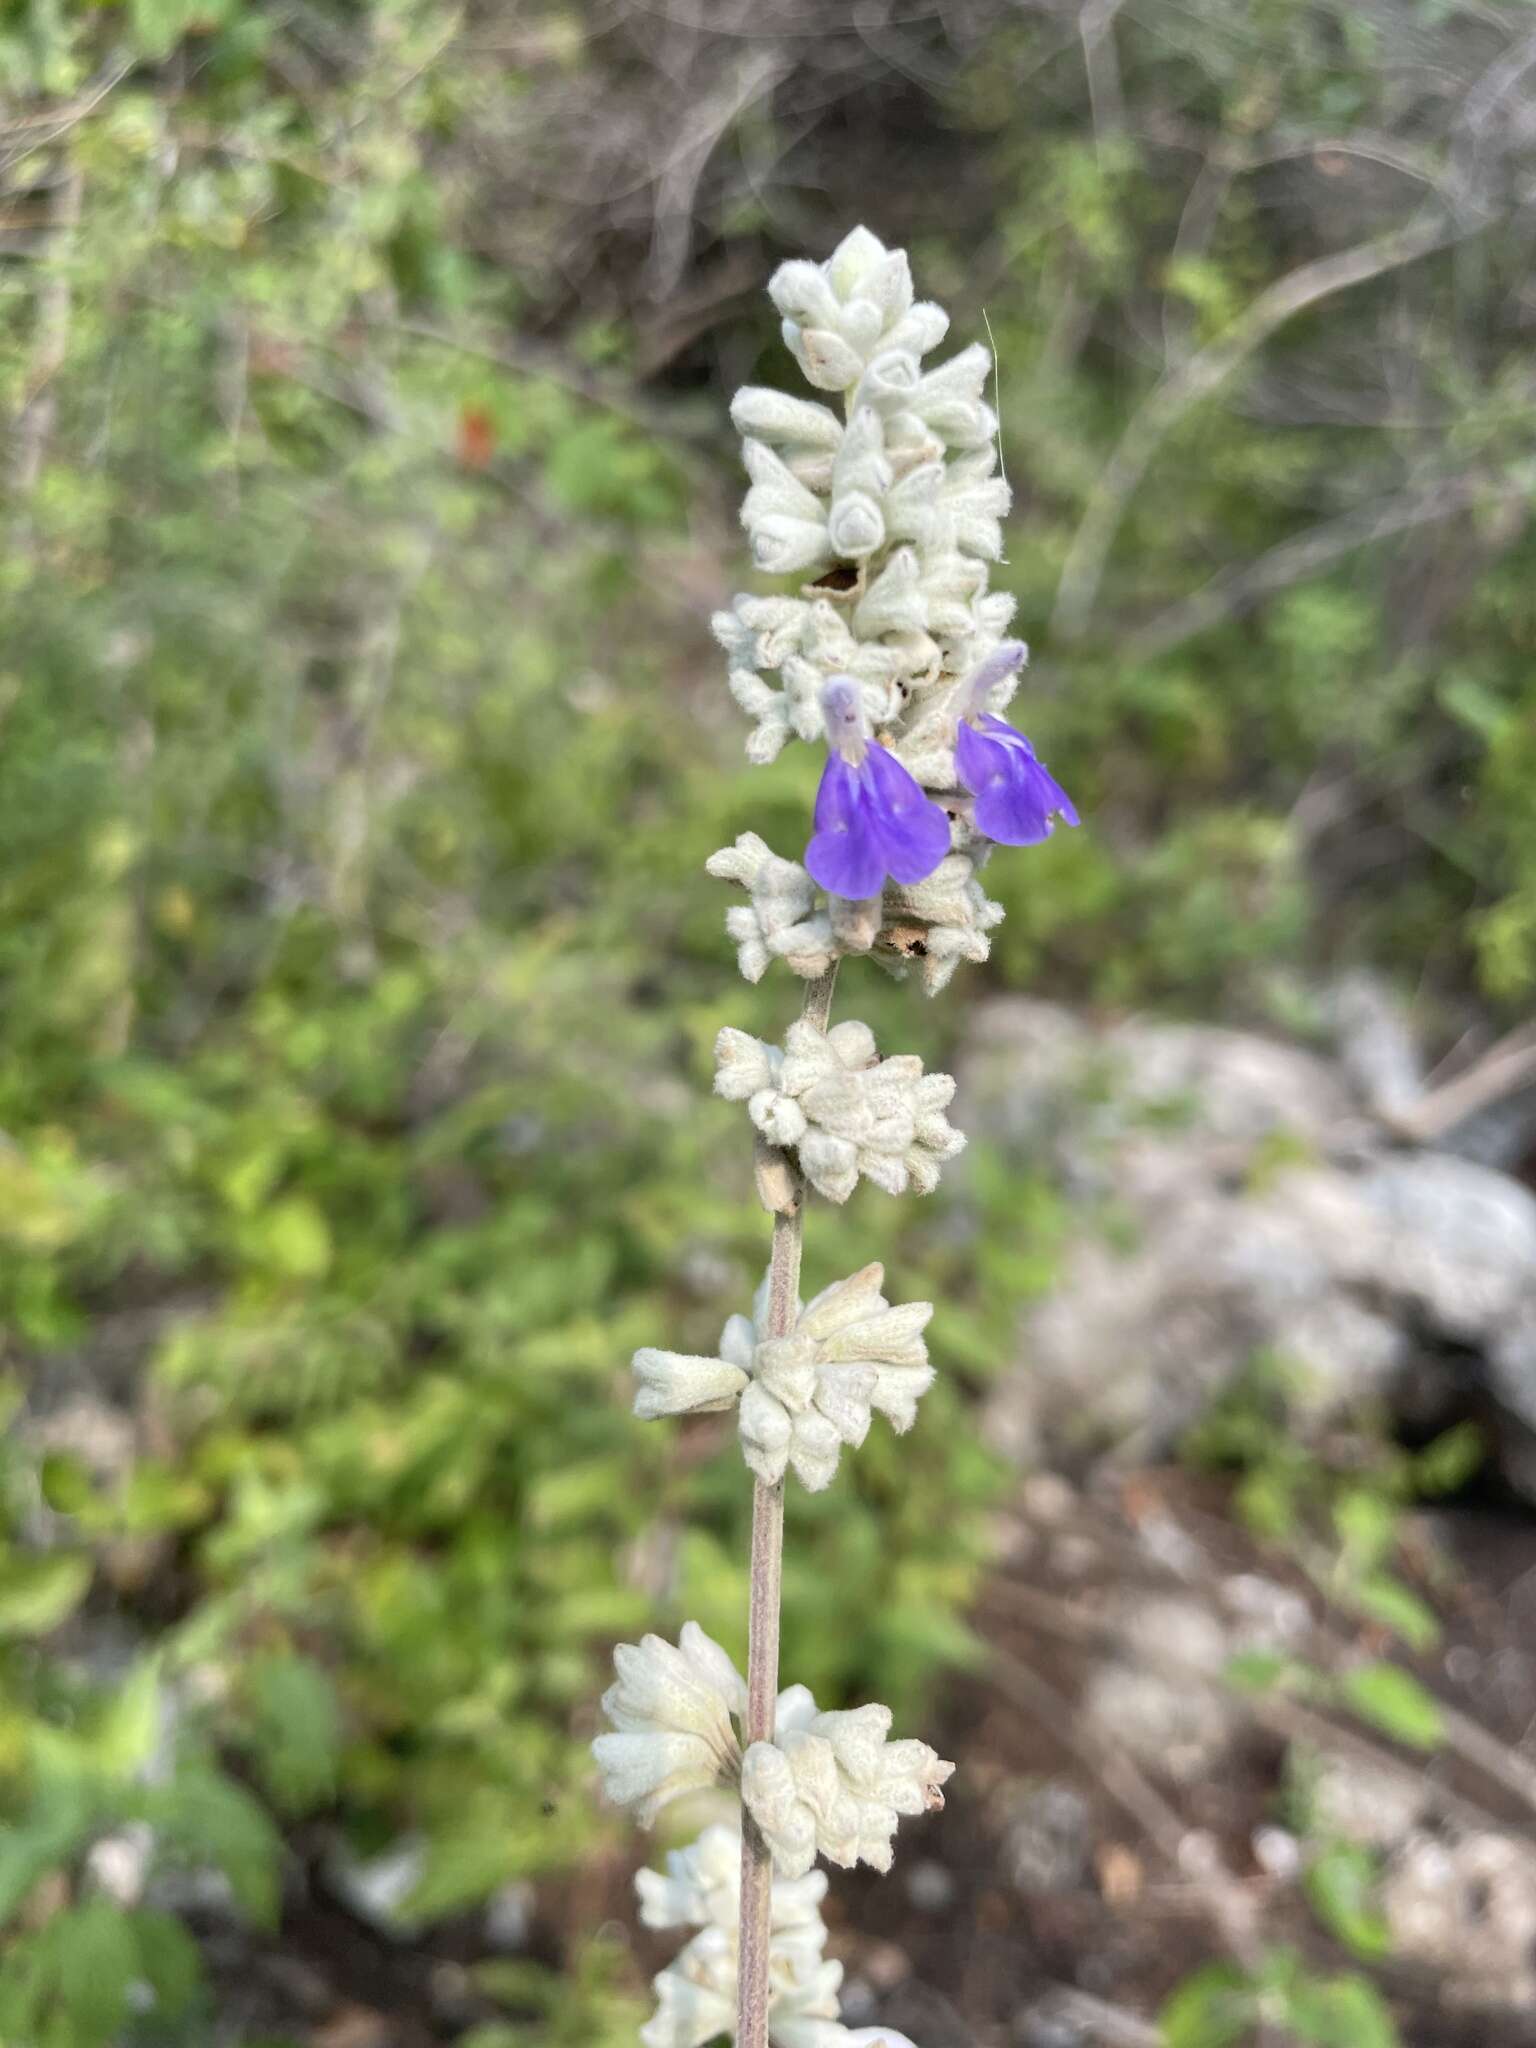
column 872, row 820
column 1017, row 798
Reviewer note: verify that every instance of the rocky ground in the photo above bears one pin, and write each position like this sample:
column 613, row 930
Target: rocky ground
column 1122, row 1814
column 1238, row 1195
column 1121, row 1817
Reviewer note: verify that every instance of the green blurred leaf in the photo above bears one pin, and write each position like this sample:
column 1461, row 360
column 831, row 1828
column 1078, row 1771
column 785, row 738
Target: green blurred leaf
column 1366, row 1523
column 296, row 1730
column 465, row 1865
column 1340, row 1882
column 209, row 1820
column 1341, row 2012
column 1266, row 1501
column 292, row 1237
column 124, row 1738
column 55, row 1828
column 38, row 1593
column 1445, row 1465
column 1213, row 2008
column 1398, row 1608
column 65, row 1483
column 1394, row 1702
column 70, row 1981
column 1258, row 1670
column 168, row 1961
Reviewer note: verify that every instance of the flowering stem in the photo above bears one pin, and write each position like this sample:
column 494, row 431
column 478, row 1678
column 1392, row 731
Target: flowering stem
column 763, row 1609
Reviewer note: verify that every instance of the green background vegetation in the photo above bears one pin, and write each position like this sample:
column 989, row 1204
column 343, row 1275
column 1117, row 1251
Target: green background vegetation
column 361, row 744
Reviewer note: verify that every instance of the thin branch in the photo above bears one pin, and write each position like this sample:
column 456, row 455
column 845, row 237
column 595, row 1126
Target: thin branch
column 62, row 118
column 1293, row 561
column 1197, row 223
column 1503, row 1070
column 1101, row 64
column 1222, row 1894
column 34, row 424
column 677, row 183
column 1284, row 1715
column 1193, row 380
column 1096, row 2019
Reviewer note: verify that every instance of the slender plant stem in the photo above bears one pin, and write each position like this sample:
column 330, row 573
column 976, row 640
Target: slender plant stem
column 763, row 1608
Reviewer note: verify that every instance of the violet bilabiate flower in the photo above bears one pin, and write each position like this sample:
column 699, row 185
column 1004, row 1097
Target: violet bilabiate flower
column 872, row 820
column 1017, row 798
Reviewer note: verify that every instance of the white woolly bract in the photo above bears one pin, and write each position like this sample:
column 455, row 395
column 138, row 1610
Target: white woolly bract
column 701, row 1887
column 843, row 1111
column 834, row 1785
column 671, row 1709
column 813, row 1391
column 802, row 1397
column 782, row 919
column 671, row 1383
column 937, row 922
column 696, row 1994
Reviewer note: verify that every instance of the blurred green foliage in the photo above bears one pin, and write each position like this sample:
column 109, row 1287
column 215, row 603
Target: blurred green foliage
column 1340, row 1508
column 360, row 980
column 359, row 752
column 1227, row 2006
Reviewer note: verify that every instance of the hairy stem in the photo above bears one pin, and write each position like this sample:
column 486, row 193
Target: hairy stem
column 763, row 1609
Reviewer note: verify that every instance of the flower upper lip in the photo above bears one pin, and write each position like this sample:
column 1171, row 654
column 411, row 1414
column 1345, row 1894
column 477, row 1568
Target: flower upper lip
column 842, row 711
column 1005, row 660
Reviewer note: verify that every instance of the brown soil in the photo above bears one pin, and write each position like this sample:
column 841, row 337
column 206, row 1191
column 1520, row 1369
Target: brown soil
column 960, row 1947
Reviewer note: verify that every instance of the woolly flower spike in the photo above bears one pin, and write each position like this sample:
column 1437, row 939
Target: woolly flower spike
column 872, row 819
column 1017, row 798
column 676, row 1712
column 702, row 1889
column 672, row 1711
column 844, row 1111
column 696, row 1993
column 833, row 1785
column 805, row 1395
